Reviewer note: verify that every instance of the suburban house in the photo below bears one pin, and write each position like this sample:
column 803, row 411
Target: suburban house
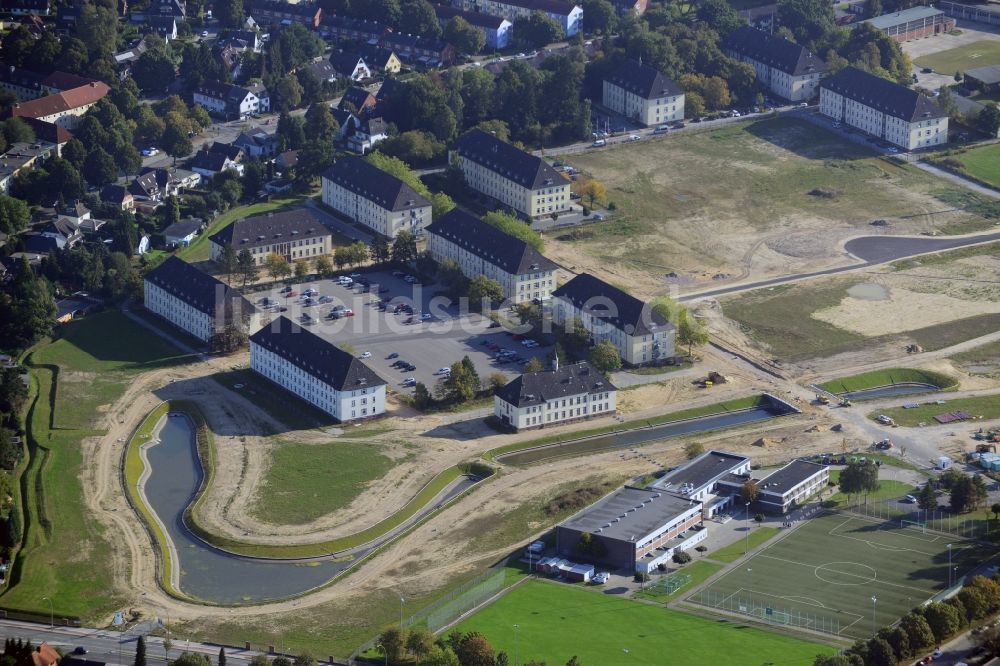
column 366, row 194
column 566, row 393
column 788, row 70
column 64, row 108
column 181, row 233
column 241, row 39
column 23, row 157
column 146, row 187
column 22, row 7
column 642, row 93
column 496, row 29
column 64, row 230
column 278, row 12
column 193, row 300
column 175, row 8
column 208, row 162
column 640, row 335
column 164, row 26
column 317, row 371
column 286, row 160
column 117, row 195
column 380, row 60
column 125, row 60
column 294, row 234
column 367, row 133
column 357, row 100
column 168, row 181
column 350, row 65
column 257, row 143
column 339, row 28
column 516, row 179
column 230, row 101
column 481, row 249
column 883, row 109
column 45, row 655
column 633, row 529
column 417, row 50
column 566, row 14
column 913, row 23
column 321, row 70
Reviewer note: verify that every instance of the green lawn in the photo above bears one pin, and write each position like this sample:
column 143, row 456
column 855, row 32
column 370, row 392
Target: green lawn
column 977, row 54
column 557, row 621
column 734, row 551
column 198, row 250
column 985, row 406
column 825, row 572
column 983, row 163
column 887, row 377
column 308, row 481
column 983, row 360
column 887, row 489
column 699, row 571
column 66, row 556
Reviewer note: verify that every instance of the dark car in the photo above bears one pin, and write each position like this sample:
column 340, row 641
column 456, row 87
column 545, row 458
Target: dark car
column 494, row 324
column 79, row 649
column 927, row 70
column 285, row 290
column 393, row 355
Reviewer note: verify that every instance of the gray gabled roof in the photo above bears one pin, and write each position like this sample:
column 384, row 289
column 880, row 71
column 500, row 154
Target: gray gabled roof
column 536, row 388
column 199, row 290
column 297, row 223
column 883, row 95
column 773, row 51
column 510, row 254
column 886, row 21
column 514, row 164
column 643, row 80
column 370, row 182
column 987, row 75
column 612, row 305
column 316, row 356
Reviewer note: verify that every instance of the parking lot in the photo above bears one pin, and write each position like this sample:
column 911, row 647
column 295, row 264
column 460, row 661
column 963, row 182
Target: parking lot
column 436, row 334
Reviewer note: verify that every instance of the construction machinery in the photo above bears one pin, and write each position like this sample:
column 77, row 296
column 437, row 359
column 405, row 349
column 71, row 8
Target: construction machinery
column 822, row 399
column 845, row 402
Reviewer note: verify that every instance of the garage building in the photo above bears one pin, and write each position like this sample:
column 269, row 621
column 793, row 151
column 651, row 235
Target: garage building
column 913, row 23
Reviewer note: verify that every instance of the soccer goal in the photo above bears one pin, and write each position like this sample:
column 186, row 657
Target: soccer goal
column 913, row 525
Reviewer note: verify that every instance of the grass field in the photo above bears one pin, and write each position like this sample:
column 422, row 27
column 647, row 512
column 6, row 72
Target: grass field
column 198, row 249
column 887, row 489
column 826, row 571
column 970, row 56
column 736, row 550
column 982, row 163
column 674, row 210
column 986, row 406
column 699, row 571
column 887, row 377
column 66, row 556
column 557, row 621
column 983, row 360
column 307, row 481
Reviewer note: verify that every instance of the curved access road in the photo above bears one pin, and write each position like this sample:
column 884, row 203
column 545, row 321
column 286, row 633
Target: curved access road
column 871, row 251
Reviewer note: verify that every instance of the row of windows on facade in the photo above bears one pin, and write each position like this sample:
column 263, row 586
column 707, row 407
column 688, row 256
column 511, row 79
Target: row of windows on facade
column 566, row 402
column 566, row 414
column 672, row 530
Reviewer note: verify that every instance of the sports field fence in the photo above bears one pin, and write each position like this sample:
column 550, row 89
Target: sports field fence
column 965, row 526
column 743, row 602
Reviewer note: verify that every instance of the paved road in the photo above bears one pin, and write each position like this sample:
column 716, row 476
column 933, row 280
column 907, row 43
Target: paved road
column 872, row 250
column 958, row 180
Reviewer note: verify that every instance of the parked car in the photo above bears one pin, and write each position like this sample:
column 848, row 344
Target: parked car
column 600, row 143
column 79, row 649
column 398, row 274
column 409, row 381
column 366, row 354
column 285, row 290
column 393, row 355
column 634, row 137
column 443, row 371
column 426, row 316
column 601, row 578
column 348, row 313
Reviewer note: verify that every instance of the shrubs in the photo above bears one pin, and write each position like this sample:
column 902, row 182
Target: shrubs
column 641, row 577
column 573, row 500
column 680, row 557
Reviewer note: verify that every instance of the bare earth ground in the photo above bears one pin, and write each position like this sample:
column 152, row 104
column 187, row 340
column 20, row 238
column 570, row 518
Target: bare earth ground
column 677, row 213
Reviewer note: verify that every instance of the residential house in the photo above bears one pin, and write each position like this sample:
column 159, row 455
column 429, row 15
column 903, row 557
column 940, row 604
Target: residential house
column 294, row 234
column 366, row 194
column 242, row 39
column 23, row 157
column 75, row 211
column 63, row 229
column 367, row 133
column 231, row 58
column 230, row 101
column 182, row 232
column 380, row 60
column 165, row 27
column 171, row 182
column 64, row 108
column 317, row 371
column 350, row 66
column 25, row 7
column 357, row 100
column 496, row 29
column 347, row 121
column 883, row 109
column 566, row 14
column 257, row 143
column 278, row 12
column 35, row 243
column 642, row 93
column 175, row 8
column 321, row 70
column 913, row 23
column 337, row 28
column 641, row 335
column 481, row 249
column 286, row 161
column 567, row 393
column 118, row 196
column 215, row 159
column 390, row 88
column 45, row 655
column 516, row 179
column 146, row 187
column 125, row 60
column 422, row 51
column 193, row 300
column 785, row 68
column 637, row 7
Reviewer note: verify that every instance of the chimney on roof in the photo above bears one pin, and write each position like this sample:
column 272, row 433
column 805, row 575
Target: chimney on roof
column 555, row 362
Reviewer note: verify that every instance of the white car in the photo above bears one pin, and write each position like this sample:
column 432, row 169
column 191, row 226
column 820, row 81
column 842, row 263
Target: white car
column 634, row 137
column 343, row 281
column 366, row 354
column 409, row 381
column 601, row 578
column 425, row 316
column 443, row 371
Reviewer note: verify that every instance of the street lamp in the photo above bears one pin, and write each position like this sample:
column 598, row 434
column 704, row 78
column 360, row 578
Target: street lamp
column 750, row 585
column 401, row 602
column 515, row 644
column 748, row 528
column 949, row 566
column 51, row 613
column 874, row 602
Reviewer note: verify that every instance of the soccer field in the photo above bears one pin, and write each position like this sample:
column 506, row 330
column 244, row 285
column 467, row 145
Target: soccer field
column 970, row 56
column 556, row 621
column 824, row 574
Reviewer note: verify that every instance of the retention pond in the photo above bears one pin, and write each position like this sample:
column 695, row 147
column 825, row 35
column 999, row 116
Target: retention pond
column 892, row 391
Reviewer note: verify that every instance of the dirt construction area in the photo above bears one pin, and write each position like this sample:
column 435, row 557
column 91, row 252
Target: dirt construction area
column 791, row 194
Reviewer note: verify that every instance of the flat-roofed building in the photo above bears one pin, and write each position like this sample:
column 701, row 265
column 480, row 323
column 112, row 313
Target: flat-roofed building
column 294, row 234
column 787, row 488
column 375, row 198
column 317, row 371
column 642, row 93
column 481, row 249
column 788, row 70
column 700, row 478
column 913, row 23
column 883, row 109
column 632, row 529
column 514, row 178
column 567, row 393
column 640, row 334
column 194, row 301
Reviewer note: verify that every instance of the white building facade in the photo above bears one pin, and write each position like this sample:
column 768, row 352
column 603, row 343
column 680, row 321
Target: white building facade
column 380, row 201
column 550, row 397
column 296, row 234
column 786, row 69
column 644, row 94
